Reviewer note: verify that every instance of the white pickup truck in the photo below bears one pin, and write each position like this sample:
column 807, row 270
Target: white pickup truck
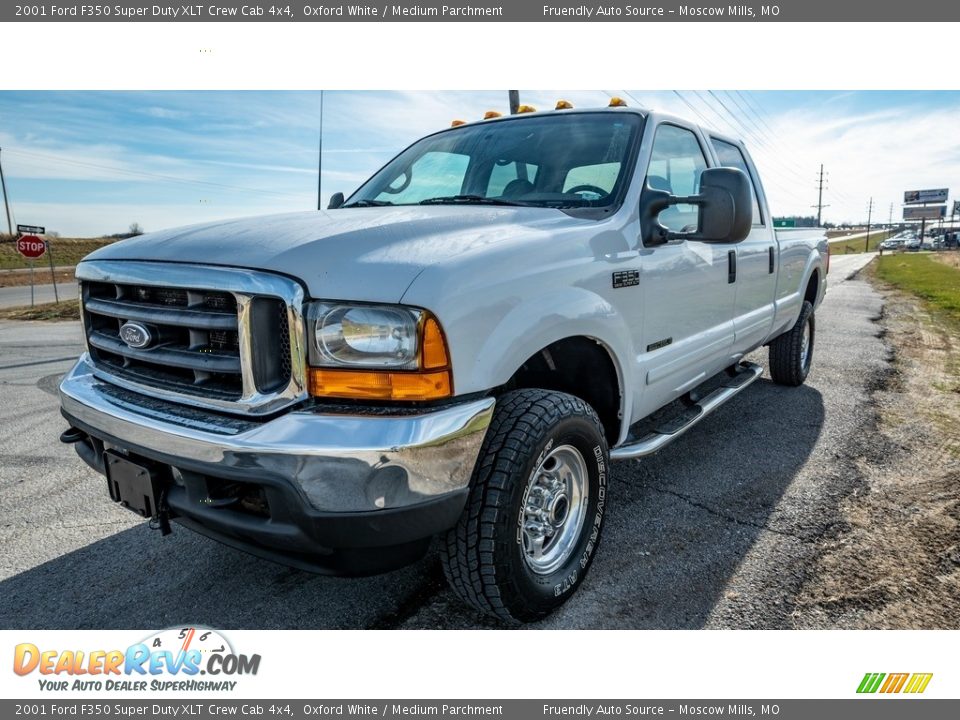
column 458, row 349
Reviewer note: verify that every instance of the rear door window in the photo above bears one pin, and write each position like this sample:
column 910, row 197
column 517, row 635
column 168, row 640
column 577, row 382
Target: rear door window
column 731, row 156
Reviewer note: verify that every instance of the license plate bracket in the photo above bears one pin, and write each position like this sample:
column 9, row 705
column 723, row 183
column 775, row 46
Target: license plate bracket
column 135, row 487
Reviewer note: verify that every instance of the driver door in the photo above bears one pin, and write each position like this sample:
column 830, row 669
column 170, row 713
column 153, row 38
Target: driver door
column 688, row 297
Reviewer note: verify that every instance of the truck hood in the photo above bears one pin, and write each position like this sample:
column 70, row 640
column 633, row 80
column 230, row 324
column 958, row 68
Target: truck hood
column 367, row 254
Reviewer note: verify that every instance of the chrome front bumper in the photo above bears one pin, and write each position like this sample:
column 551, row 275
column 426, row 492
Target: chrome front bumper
column 337, row 462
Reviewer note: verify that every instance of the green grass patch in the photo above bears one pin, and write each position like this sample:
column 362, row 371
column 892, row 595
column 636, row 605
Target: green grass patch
column 66, row 252
column 923, row 276
column 63, row 310
column 858, row 245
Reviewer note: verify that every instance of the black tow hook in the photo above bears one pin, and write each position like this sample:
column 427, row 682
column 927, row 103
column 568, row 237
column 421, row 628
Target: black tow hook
column 72, row 435
column 161, row 521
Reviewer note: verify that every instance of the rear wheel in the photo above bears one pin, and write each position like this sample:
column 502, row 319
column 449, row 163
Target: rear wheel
column 792, row 352
column 532, row 523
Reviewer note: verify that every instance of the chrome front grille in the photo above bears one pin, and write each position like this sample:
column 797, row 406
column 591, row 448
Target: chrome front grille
column 218, row 337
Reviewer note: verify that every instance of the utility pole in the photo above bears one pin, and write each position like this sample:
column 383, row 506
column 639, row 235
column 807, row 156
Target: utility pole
column 820, row 206
column 866, row 247
column 320, row 157
column 890, row 218
column 6, row 200
column 514, row 98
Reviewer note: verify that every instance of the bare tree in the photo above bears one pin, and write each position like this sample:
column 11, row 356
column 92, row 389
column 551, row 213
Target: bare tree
column 135, row 229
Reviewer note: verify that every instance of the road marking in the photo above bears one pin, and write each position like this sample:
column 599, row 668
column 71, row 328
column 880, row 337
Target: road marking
column 38, row 362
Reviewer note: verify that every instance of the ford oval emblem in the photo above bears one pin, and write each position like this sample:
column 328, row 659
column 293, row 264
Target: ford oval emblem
column 135, row 335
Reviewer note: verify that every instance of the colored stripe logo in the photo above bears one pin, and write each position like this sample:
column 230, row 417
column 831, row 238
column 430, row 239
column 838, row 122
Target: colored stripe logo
column 912, row 683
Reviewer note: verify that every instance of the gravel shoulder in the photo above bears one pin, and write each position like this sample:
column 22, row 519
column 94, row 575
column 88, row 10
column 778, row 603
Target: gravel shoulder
column 897, row 564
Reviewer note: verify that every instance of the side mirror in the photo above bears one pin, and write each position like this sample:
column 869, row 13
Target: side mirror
column 336, row 200
column 726, row 209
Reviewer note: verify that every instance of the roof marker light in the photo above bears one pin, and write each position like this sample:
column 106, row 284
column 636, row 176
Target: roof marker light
column 458, row 123
column 564, row 105
column 490, row 114
column 617, row 102
column 526, row 109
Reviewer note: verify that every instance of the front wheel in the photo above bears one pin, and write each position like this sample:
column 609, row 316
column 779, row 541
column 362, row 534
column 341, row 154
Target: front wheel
column 792, row 352
column 533, row 519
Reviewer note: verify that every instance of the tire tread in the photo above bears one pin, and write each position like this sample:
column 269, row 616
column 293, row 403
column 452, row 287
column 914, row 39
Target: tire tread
column 468, row 552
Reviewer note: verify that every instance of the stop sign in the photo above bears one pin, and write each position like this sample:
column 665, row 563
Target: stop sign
column 30, row 246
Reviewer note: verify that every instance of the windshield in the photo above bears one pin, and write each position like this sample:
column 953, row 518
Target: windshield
column 563, row 160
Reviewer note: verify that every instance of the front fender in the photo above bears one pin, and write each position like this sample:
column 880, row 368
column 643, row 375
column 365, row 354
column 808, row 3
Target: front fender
column 539, row 321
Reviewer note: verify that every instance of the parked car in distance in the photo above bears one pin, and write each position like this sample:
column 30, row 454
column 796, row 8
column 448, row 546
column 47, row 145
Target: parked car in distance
column 913, row 244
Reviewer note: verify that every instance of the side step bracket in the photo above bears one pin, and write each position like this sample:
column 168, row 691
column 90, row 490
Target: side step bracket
column 676, row 426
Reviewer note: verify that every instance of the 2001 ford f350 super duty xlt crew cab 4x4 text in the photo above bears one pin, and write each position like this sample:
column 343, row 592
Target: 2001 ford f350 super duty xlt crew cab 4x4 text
column 458, row 350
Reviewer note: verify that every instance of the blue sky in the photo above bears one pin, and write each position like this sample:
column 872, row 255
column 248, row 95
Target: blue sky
column 91, row 163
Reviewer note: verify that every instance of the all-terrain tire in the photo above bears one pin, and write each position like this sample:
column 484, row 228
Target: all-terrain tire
column 792, row 352
column 488, row 557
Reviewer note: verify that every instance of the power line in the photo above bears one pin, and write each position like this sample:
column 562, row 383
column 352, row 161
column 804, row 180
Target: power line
column 754, row 136
column 771, row 177
column 772, row 169
column 754, row 106
column 747, row 112
column 685, row 102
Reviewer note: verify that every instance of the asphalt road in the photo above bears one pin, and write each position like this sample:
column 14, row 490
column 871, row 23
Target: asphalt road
column 19, row 296
column 716, row 530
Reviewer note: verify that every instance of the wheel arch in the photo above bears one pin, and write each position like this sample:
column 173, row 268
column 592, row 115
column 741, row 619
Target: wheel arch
column 579, row 365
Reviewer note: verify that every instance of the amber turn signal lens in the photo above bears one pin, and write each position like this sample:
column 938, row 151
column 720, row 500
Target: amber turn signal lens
column 434, row 347
column 377, row 385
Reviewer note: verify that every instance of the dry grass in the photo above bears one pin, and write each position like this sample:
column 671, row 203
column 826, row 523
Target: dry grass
column 898, row 563
column 66, row 252
column 64, row 310
column 949, row 258
column 843, row 246
column 16, row 278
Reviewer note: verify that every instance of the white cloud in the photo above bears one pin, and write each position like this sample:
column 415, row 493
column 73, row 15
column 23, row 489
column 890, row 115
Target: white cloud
column 877, row 155
column 96, row 219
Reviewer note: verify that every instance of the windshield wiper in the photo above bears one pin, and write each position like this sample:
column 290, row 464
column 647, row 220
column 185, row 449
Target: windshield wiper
column 473, row 199
column 368, row 203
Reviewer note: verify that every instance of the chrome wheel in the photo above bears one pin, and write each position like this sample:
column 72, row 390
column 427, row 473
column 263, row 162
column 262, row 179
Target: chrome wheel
column 805, row 346
column 555, row 506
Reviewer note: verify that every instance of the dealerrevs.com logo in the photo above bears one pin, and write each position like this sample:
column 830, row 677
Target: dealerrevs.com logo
column 890, row 683
column 173, row 659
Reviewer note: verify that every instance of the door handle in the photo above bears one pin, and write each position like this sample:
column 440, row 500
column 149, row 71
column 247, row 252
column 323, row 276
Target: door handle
column 732, row 266
column 771, row 259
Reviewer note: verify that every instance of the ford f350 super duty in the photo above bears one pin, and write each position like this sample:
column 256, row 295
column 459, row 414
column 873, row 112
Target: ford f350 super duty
column 459, row 349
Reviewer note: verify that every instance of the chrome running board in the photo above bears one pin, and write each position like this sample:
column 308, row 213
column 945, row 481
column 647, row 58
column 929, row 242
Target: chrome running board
column 669, row 431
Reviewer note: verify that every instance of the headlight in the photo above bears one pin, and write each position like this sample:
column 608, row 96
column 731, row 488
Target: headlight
column 366, row 336
column 376, row 352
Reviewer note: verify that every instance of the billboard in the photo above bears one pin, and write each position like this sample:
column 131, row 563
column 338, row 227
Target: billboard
column 913, row 197
column 933, row 212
